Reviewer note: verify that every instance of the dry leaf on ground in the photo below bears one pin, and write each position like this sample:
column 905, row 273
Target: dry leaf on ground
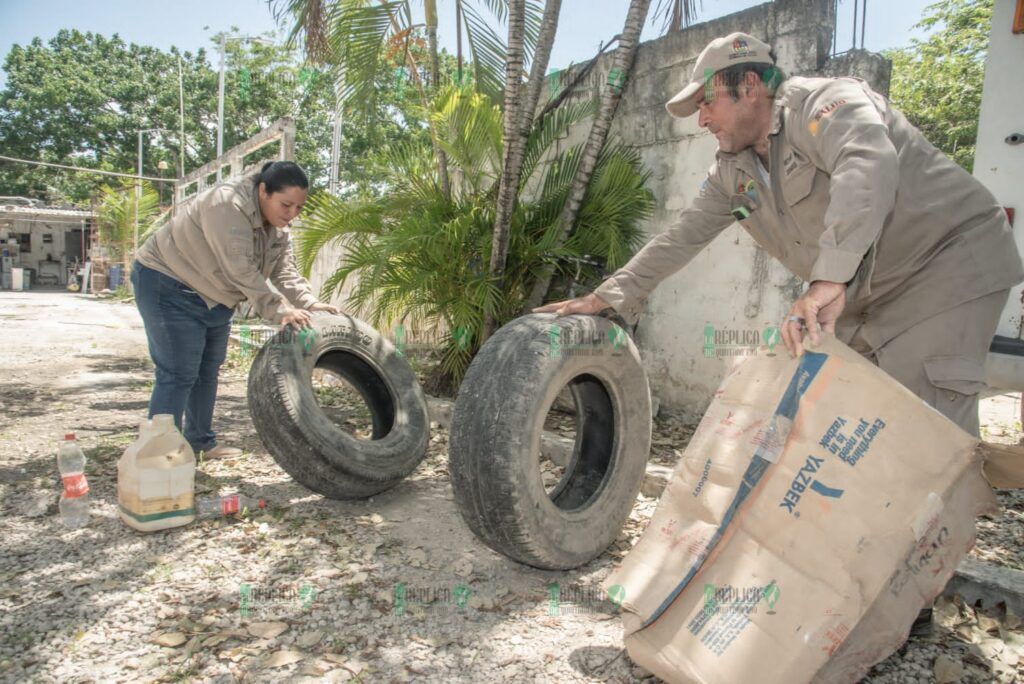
column 267, row 630
column 282, row 658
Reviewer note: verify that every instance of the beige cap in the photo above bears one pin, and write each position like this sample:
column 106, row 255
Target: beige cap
column 721, row 53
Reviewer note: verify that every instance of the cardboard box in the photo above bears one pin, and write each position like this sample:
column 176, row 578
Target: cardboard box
column 819, row 506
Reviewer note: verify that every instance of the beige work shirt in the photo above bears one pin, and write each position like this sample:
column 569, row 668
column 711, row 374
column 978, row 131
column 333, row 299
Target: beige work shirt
column 855, row 195
column 219, row 246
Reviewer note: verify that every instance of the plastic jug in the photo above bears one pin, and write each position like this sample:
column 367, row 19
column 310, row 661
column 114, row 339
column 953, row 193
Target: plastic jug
column 156, row 478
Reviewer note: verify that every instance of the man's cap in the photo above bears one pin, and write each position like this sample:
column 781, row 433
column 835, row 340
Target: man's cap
column 721, row 53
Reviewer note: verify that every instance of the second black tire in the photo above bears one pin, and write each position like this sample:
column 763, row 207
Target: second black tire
column 303, row 439
column 496, row 431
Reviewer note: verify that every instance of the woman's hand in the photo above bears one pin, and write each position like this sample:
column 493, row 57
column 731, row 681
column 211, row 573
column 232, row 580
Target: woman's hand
column 817, row 310
column 296, row 318
column 322, row 306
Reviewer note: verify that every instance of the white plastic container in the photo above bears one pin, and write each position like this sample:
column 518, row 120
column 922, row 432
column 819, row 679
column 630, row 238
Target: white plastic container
column 156, row 478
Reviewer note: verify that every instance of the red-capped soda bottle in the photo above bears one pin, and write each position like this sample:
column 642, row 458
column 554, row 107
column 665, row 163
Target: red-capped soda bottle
column 231, row 504
column 74, row 500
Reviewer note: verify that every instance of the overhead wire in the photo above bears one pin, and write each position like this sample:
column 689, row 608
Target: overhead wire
column 83, row 169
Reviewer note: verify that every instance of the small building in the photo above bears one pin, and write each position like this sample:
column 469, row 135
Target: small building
column 44, row 240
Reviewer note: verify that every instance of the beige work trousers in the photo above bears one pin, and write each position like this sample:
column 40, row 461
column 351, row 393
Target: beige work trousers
column 942, row 358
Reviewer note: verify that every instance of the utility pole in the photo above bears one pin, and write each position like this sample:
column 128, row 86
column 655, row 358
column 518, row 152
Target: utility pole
column 334, row 182
column 138, row 200
column 220, row 102
column 181, row 122
column 138, row 187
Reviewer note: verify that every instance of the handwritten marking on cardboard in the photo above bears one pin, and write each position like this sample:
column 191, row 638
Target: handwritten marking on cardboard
column 920, row 558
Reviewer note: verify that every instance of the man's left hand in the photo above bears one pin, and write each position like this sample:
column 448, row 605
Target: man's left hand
column 817, row 310
column 322, row 306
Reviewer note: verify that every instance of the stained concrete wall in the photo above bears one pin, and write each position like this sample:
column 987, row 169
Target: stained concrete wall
column 733, row 287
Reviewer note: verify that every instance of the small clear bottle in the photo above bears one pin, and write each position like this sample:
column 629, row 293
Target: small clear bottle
column 219, row 506
column 74, row 500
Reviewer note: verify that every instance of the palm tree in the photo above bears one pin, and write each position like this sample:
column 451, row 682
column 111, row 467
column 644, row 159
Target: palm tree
column 622, row 65
column 117, row 216
column 519, row 113
column 430, row 15
column 418, row 255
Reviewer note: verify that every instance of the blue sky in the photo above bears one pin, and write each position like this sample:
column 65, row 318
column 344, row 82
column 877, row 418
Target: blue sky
column 583, row 25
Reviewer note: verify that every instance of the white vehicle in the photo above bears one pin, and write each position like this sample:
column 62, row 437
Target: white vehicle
column 999, row 164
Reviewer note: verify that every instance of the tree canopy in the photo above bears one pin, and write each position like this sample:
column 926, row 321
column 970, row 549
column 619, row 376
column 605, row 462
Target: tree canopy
column 937, row 82
column 81, row 98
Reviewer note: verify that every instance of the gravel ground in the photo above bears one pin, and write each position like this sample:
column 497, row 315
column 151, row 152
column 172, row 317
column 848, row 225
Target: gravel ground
column 307, row 589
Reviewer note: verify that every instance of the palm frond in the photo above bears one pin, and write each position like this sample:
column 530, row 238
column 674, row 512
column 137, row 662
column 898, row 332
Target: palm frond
column 329, row 219
column 533, row 15
column 311, row 20
column 616, row 202
column 415, row 254
column 120, row 210
column 358, row 35
column 554, row 125
column 469, row 129
column 675, row 14
column 488, row 51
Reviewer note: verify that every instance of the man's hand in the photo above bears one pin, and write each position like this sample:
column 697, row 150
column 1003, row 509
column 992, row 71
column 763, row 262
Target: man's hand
column 296, row 318
column 818, row 309
column 590, row 304
column 322, row 306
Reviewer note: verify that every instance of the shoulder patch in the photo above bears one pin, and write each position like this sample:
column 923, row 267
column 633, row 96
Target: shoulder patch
column 822, row 113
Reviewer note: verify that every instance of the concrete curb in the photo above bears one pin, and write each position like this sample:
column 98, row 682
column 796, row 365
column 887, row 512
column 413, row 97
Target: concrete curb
column 976, row 580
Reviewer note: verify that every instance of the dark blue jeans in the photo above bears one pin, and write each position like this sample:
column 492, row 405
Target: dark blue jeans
column 188, row 342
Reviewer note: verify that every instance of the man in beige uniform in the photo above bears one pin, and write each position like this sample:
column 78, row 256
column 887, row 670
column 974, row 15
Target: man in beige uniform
column 909, row 258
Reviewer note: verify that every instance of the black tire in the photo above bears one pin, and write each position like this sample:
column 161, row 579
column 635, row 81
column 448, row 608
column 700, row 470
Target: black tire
column 300, row 436
column 497, row 425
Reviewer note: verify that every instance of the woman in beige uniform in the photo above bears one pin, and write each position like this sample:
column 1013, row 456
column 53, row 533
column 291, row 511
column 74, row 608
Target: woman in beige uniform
column 219, row 250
